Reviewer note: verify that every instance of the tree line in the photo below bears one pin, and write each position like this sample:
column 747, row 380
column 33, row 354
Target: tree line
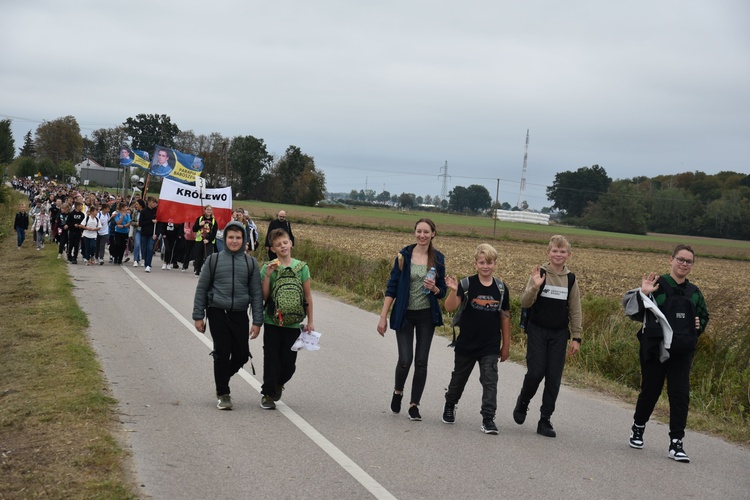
column 242, row 162
column 689, row 203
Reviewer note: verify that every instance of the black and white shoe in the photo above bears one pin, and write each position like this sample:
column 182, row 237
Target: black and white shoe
column 636, row 436
column 414, row 413
column 396, row 402
column 676, row 452
column 449, row 413
column 488, row 426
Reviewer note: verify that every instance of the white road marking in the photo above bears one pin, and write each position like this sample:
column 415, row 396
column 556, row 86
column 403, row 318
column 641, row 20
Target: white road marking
column 377, row 490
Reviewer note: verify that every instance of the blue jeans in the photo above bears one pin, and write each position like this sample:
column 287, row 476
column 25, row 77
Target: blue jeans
column 21, row 233
column 89, row 248
column 419, row 322
column 147, row 247
column 137, row 246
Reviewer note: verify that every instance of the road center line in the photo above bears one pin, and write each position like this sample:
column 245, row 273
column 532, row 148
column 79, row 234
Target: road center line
column 377, row 490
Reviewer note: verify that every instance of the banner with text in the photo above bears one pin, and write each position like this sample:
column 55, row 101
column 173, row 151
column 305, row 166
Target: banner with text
column 134, row 157
column 181, row 203
column 172, row 164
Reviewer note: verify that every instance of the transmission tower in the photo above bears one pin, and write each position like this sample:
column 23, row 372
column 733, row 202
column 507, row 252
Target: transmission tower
column 445, row 176
column 523, row 172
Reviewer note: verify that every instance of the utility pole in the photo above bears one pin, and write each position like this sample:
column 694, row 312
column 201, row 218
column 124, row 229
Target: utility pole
column 523, row 172
column 445, row 176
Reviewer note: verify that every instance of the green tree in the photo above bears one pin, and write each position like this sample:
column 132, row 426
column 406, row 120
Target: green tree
column 573, row 191
column 26, row 167
column 294, row 180
column 673, row 210
column 458, row 199
column 146, row 131
column 406, row 200
column 249, row 161
column 28, row 150
column 474, row 198
column 620, row 209
column 59, row 140
column 383, row 197
column 106, row 143
column 7, row 144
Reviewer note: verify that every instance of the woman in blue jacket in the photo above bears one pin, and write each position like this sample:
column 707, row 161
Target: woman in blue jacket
column 414, row 297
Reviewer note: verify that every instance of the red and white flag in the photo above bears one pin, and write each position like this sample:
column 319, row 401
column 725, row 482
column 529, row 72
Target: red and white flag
column 180, row 203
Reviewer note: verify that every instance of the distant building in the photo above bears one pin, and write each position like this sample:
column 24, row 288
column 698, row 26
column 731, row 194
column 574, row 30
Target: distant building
column 90, row 170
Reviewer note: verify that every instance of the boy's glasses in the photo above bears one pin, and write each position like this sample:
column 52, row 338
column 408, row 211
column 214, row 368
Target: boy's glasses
column 685, row 262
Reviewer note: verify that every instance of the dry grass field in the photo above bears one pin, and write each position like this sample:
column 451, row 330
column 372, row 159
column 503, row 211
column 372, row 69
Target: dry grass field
column 601, row 272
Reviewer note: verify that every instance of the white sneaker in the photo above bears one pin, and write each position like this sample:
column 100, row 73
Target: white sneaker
column 148, row 269
column 164, row 267
column 135, row 264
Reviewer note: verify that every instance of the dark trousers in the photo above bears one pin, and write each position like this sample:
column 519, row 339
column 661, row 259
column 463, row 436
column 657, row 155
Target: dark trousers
column 676, row 371
column 419, row 324
column 545, row 359
column 279, row 361
column 230, row 331
column 462, row 368
column 62, row 241
column 187, row 254
column 117, row 249
column 169, row 255
column 74, row 241
column 89, row 248
column 203, row 250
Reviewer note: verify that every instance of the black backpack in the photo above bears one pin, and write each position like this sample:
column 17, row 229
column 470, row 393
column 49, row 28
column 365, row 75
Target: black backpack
column 679, row 310
column 526, row 311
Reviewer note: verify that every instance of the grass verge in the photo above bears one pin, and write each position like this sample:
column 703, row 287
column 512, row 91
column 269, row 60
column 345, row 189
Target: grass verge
column 58, row 433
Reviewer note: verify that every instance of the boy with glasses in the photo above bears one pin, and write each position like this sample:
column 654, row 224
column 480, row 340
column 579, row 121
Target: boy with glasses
column 667, row 347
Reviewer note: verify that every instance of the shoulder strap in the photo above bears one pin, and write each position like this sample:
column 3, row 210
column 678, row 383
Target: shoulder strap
column 249, row 269
column 300, row 266
column 213, row 264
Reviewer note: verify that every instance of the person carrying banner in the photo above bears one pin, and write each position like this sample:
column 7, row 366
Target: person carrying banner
column 205, row 228
column 147, row 223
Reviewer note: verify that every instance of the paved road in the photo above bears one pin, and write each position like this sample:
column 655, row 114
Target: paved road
column 334, row 437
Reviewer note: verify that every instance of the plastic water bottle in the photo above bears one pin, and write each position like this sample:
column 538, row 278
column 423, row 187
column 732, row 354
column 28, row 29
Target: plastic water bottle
column 431, row 276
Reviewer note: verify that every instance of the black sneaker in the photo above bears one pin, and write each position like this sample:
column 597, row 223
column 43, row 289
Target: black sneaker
column 488, row 426
column 225, row 402
column 396, row 402
column 545, row 428
column 279, row 390
column 414, row 413
column 267, row 402
column 449, row 413
column 636, row 436
column 519, row 412
column 676, row 452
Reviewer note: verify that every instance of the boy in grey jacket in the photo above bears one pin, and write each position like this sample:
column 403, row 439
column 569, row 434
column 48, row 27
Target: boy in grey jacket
column 223, row 295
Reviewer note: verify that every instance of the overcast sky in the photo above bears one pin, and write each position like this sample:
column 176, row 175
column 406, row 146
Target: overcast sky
column 383, row 93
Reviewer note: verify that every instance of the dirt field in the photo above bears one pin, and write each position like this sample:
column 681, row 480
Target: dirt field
column 607, row 273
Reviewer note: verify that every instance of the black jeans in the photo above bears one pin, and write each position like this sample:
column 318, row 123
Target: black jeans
column 204, row 250
column 545, row 359
column 676, row 371
column 462, row 368
column 279, row 361
column 419, row 322
column 74, row 242
column 230, row 331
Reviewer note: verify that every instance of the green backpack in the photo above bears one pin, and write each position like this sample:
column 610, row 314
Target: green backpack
column 286, row 302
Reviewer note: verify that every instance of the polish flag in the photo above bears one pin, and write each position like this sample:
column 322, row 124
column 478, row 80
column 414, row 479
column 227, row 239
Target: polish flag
column 180, row 203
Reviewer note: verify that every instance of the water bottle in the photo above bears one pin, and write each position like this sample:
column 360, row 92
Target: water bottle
column 430, row 275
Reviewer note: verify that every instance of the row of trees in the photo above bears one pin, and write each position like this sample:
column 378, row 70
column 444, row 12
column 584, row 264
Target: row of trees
column 691, row 203
column 242, row 162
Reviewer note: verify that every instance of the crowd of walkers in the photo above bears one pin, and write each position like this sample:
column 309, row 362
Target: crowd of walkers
column 85, row 225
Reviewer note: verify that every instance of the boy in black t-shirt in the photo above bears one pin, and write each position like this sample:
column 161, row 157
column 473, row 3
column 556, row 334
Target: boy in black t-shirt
column 485, row 321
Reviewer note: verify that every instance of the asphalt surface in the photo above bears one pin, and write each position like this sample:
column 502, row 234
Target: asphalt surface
column 333, row 435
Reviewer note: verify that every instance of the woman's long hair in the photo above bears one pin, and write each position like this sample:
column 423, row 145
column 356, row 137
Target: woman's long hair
column 431, row 257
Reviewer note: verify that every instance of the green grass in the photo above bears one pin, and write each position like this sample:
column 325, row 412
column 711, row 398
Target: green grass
column 57, row 422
